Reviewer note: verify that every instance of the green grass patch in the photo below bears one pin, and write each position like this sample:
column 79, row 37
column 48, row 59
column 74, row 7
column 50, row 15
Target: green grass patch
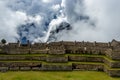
column 73, row 75
column 66, row 63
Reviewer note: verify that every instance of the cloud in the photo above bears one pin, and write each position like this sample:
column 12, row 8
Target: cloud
column 93, row 20
column 9, row 20
column 40, row 20
column 28, row 19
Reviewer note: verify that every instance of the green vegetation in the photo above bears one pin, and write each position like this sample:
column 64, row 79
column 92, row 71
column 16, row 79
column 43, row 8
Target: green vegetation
column 73, row 75
column 3, row 41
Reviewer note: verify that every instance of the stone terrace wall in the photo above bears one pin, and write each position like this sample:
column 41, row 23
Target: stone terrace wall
column 85, row 59
column 89, row 67
column 57, row 47
column 113, row 53
column 62, row 56
column 112, row 72
column 57, row 67
column 55, row 59
column 22, row 58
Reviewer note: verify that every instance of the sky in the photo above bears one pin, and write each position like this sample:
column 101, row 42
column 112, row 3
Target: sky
column 57, row 20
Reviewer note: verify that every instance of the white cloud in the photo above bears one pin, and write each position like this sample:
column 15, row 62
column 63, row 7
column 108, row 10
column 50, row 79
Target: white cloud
column 9, row 21
column 17, row 12
column 102, row 14
column 56, row 7
column 46, row 1
column 91, row 20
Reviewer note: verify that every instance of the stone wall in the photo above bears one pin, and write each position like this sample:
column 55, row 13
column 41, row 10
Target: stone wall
column 57, row 59
column 113, row 54
column 38, row 51
column 21, row 58
column 56, row 52
column 88, row 67
column 62, row 56
column 20, row 64
column 57, row 48
column 112, row 72
column 85, row 59
column 56, row 67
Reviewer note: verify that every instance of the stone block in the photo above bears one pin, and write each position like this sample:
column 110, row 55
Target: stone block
column 61, row 59
column 14, row 68
column 25, row 68
column 36, row 68
column 3, row 69
column 85, row 59
column 57, row 67
column 88, row 67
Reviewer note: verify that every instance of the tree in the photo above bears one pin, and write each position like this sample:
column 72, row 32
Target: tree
column 3, row 41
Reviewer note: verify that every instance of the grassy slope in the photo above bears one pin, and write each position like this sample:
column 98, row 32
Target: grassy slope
column 75, row 75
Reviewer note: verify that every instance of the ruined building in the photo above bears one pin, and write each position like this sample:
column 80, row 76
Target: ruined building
column 61, row 56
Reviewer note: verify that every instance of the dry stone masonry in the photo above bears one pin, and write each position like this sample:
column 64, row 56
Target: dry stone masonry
column 61, row 56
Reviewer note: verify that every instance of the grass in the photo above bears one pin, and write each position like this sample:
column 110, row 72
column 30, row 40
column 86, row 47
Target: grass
column 74, row 75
